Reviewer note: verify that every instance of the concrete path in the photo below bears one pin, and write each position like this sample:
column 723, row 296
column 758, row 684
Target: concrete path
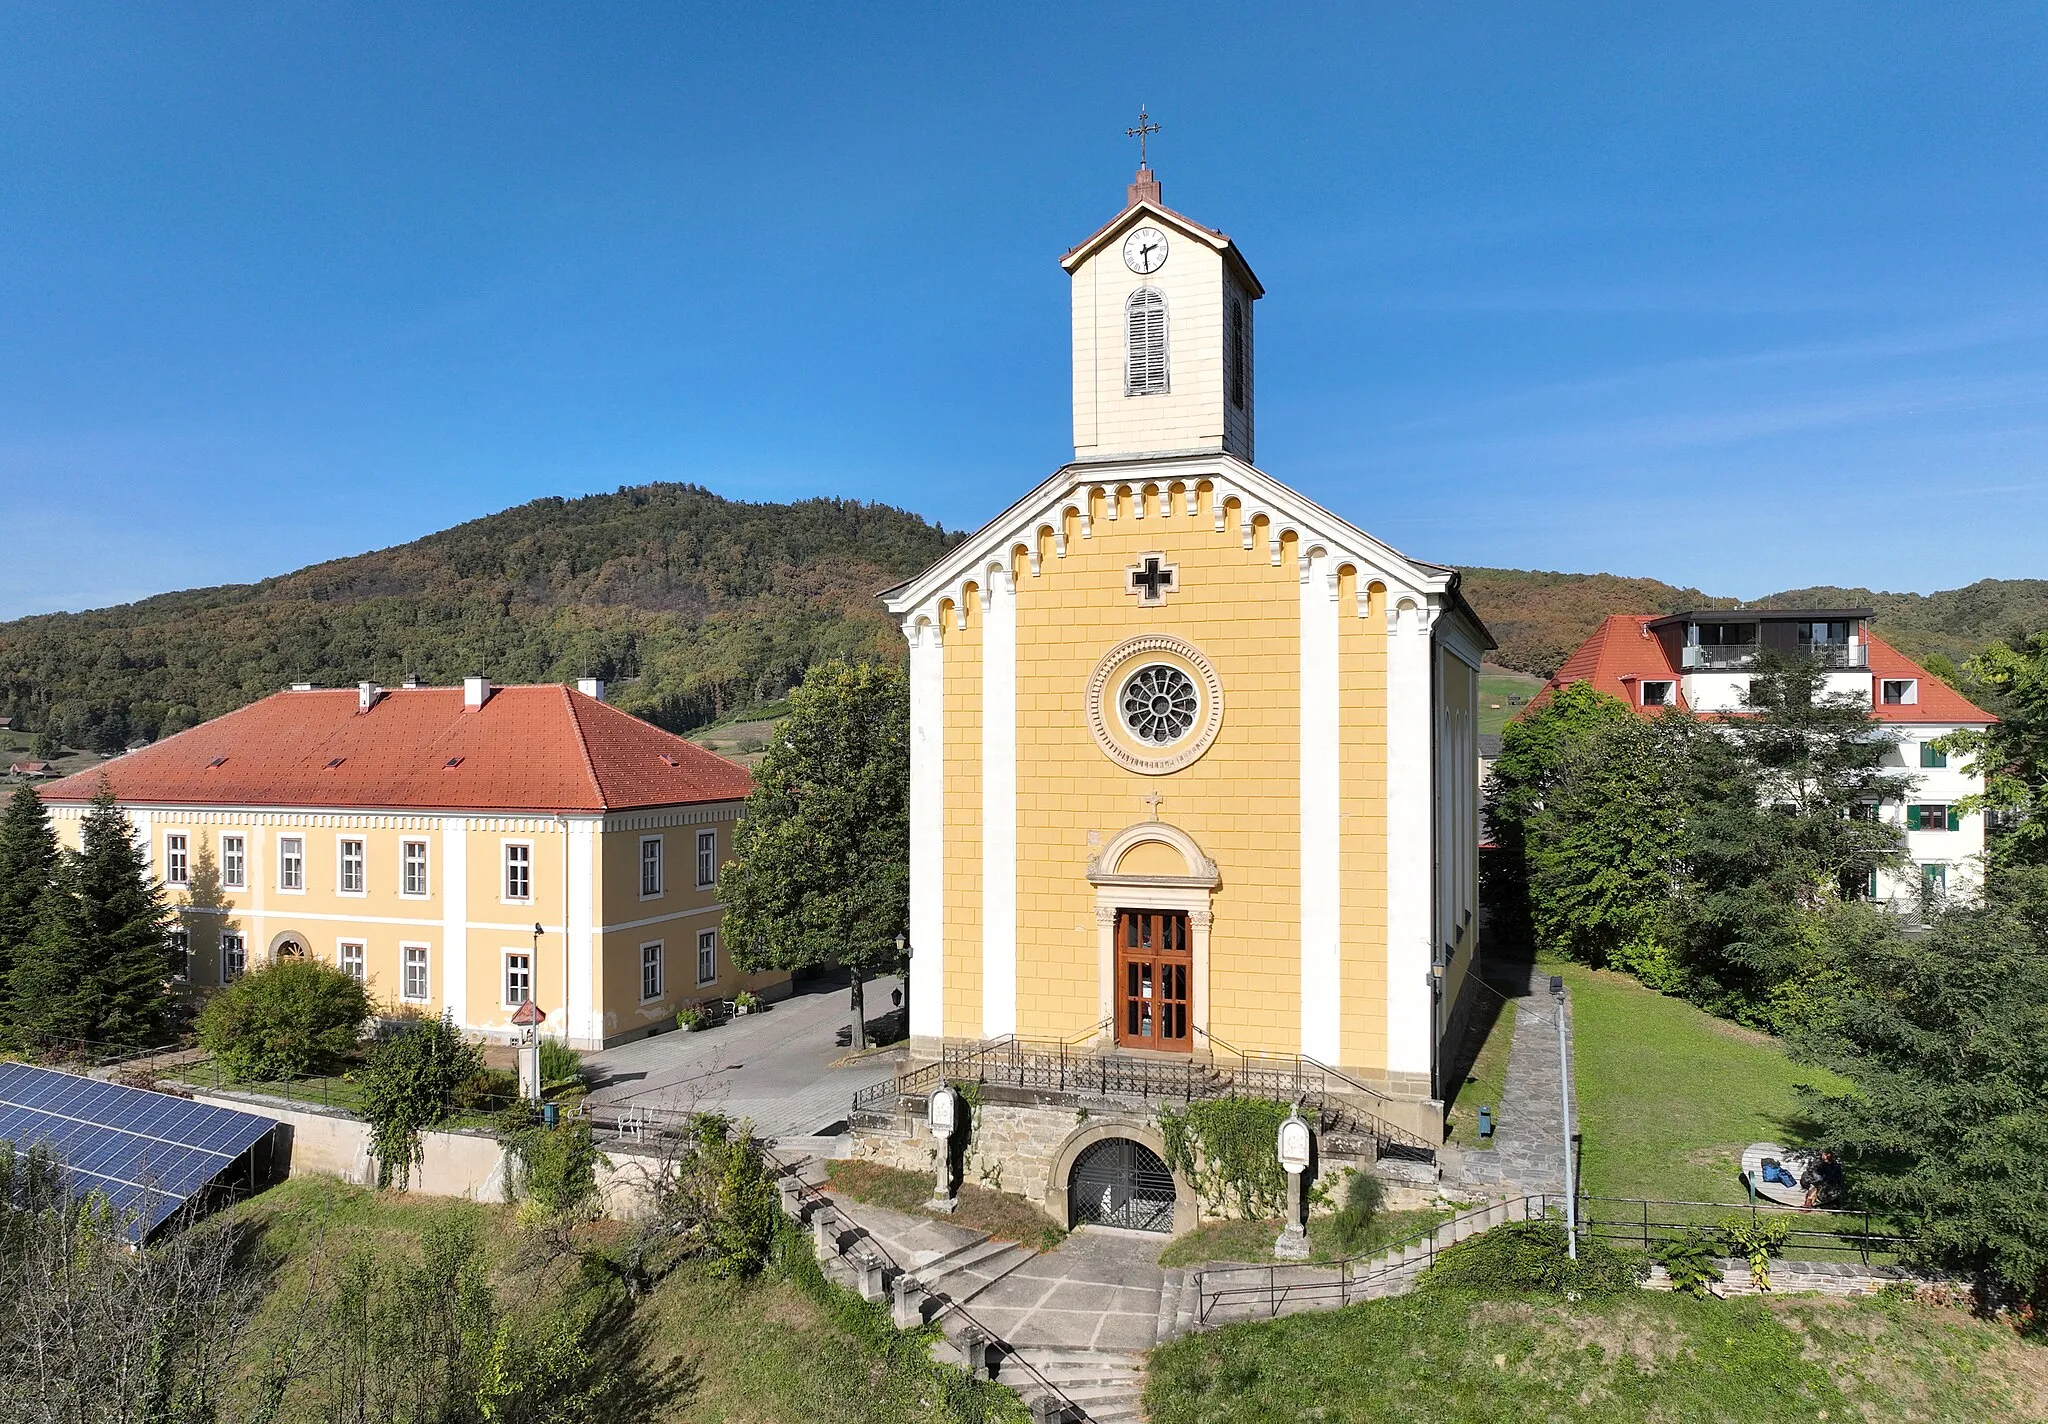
column 775, row 1069
column 1528, row 1150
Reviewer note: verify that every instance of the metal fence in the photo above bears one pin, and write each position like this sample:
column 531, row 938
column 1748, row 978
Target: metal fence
column 1816, row 1231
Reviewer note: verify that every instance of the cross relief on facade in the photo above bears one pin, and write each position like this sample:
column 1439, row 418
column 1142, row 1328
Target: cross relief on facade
column 1152, row 577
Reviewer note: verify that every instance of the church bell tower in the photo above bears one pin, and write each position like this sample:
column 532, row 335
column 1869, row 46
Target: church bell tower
column 1162, row 335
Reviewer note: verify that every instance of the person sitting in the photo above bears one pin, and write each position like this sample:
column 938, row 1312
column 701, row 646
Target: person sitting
column 1823, row 1180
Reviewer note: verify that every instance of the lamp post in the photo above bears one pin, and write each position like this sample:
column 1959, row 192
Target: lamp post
column 903, row 958
column 1564, row 1082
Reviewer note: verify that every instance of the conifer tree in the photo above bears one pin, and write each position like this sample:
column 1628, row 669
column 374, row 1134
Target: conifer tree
column 124, row 925
column 28, row 867
column 52, row 991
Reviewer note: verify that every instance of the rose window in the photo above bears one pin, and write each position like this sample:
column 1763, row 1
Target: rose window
column 1159, row 704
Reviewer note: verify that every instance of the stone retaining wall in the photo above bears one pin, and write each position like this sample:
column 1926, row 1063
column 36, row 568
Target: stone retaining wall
column 1838, row 1278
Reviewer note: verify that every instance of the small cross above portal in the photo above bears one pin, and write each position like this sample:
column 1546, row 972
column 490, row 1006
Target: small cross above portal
column 1152, row 578
column 1153, row 801
column 1145, row 127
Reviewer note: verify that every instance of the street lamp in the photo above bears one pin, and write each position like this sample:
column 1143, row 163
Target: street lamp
column 1564, row 1082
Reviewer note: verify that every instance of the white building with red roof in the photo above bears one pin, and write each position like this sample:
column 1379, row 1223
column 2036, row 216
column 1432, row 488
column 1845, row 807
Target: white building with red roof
column 1700, row 662
column 459, row 849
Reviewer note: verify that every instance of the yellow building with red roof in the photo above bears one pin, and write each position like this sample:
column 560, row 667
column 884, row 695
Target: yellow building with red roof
column 461, row 850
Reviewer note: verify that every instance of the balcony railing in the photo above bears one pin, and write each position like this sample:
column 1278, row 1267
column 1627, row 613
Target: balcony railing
column 1742, row 655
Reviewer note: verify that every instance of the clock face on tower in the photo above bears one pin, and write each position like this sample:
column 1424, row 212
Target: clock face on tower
column 1145, row 251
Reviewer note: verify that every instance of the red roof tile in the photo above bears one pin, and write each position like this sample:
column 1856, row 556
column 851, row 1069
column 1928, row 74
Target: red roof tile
column 1621, row 653
column 526, row 749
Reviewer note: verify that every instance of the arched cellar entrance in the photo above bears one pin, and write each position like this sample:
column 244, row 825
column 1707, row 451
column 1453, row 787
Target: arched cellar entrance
column 1118, row 1182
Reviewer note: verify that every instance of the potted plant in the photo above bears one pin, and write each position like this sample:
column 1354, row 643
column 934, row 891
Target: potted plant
column 745, row 1003
column 691, row 1019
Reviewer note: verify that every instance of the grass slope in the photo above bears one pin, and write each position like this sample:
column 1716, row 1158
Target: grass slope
column 1449, row 1357
column 762, row 1351
column 1669, row 1095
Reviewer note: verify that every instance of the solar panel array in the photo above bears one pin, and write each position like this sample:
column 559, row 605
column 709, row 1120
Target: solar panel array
column 147, row 1153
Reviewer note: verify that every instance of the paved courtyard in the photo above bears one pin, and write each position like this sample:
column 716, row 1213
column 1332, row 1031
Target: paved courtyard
column 776, row 1069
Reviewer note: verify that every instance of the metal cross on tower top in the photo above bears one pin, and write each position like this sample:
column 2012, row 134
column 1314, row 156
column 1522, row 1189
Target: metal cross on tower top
column 1145, row 127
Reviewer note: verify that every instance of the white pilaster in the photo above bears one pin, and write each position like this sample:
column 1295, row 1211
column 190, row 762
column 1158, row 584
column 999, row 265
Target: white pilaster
column 999, row 808
column 454, row 964
column 1321, row 918
column 927, row 828
column 580, row 1018
column 1410, row 835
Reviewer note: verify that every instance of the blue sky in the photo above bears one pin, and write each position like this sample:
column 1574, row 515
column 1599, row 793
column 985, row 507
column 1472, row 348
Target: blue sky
column 1748, row 299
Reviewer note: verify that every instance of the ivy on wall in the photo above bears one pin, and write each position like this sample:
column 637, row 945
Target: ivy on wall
column 1227, row 1149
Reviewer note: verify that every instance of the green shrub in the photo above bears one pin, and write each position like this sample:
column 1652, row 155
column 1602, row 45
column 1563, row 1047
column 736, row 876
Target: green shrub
column 1758, row 1238
column 409, row 1085
column 559, row 1063
column 1690, row 1260
column 1225, row 1147
column 1530, row 1258
column 1351, row 1223
column 286, row 1020
column 557, row 1166
column 691, row 1018
column 487, row 1089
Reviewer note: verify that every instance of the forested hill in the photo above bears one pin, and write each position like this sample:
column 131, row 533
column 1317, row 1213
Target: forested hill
column 1540, row 618
column 688, row 603
column 691, row 606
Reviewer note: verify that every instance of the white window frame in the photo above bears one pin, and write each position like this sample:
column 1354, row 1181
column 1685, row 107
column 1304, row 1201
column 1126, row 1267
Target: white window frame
column 284, row 858
column 707, row 839
column 505, row 977
column 505, row 895
column 660, row 868
column 405, row 865
column 1670, row 691
column 241, row 953
column 341, row 844
column 406, row 964
column 707, row 940
column 181, row 952
column 234, row 866
column 1139, row 376
column 177, row 858
column 1912, row 697
column 651, row 957
column 361, row 972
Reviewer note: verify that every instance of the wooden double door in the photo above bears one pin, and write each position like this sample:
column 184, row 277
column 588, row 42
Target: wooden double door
column 1154, row 965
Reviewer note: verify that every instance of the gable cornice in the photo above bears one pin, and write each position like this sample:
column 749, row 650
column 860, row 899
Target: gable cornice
column 1414, row 590
column 1187, row 227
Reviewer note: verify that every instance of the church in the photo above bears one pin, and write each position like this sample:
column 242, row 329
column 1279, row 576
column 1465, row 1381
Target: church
column 1194, row 767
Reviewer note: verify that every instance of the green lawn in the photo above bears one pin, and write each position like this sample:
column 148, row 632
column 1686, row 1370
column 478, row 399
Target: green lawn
column 1449, row 1357
column 1498, row 685
column 1669, row 1095
column 1253, row 1240
column 1003, row 1215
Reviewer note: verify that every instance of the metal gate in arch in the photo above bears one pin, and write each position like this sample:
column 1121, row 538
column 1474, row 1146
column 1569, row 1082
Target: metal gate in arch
column 1118, row 1182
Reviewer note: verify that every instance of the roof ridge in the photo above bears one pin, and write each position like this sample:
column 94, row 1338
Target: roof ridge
column 583, row 747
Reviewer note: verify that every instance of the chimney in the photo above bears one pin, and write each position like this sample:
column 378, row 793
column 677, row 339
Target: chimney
column 476, row 691
column 367, row 694
column 412, row 683
column 1145, row 189
column 591, row 687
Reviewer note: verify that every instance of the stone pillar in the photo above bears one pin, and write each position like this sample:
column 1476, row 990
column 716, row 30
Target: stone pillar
column 974, row 1345
column 1047, row 1409
column 907, row 1309
column 825, row 1231
column 792, row 1197
column 867, row 1268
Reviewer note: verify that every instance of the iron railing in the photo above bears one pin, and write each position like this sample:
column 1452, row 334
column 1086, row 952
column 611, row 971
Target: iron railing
column 1742, row 655
column 1649, row 1223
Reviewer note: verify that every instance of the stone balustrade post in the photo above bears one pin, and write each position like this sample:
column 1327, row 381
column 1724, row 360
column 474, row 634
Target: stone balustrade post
column 907, row 1309
column 825, row 1231
column 792, row 1197
column 974, row 1345
column 1048, row 1410
column 867, row 1269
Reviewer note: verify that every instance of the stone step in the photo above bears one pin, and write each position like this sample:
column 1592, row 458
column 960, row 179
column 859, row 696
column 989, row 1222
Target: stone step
column 964, row 1285
column 934, row 1273
column 927, row 1271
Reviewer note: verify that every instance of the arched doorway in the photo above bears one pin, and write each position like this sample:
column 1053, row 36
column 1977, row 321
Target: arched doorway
column 1118, row 1182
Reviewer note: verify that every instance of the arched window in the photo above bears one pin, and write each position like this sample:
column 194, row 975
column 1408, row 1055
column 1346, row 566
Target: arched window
column 1145, row 343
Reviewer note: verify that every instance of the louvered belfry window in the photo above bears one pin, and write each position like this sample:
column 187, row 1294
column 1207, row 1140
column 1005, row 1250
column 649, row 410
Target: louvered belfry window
column 1145, row 343
column 1235, row 357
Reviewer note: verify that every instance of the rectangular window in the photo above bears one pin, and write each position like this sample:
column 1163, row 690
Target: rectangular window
column 412, row 982
column 352, row 874
column 413, row 859
column 177, row 859
column 1657, row 694
column 1934, row 877
column 707, row 956
column 1899, row 691
column 650, row 971
column 181, row 955
column 291, row 863
column 518, row 979
column 234, row 863
column 518, row 872
column 707, row 859
column 352, row 962
column 1930, row 818
column 650, row 867
column 1929, row 757
column 233, row 959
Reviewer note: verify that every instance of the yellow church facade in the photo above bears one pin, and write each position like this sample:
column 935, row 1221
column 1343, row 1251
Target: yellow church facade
column 1194, row 761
